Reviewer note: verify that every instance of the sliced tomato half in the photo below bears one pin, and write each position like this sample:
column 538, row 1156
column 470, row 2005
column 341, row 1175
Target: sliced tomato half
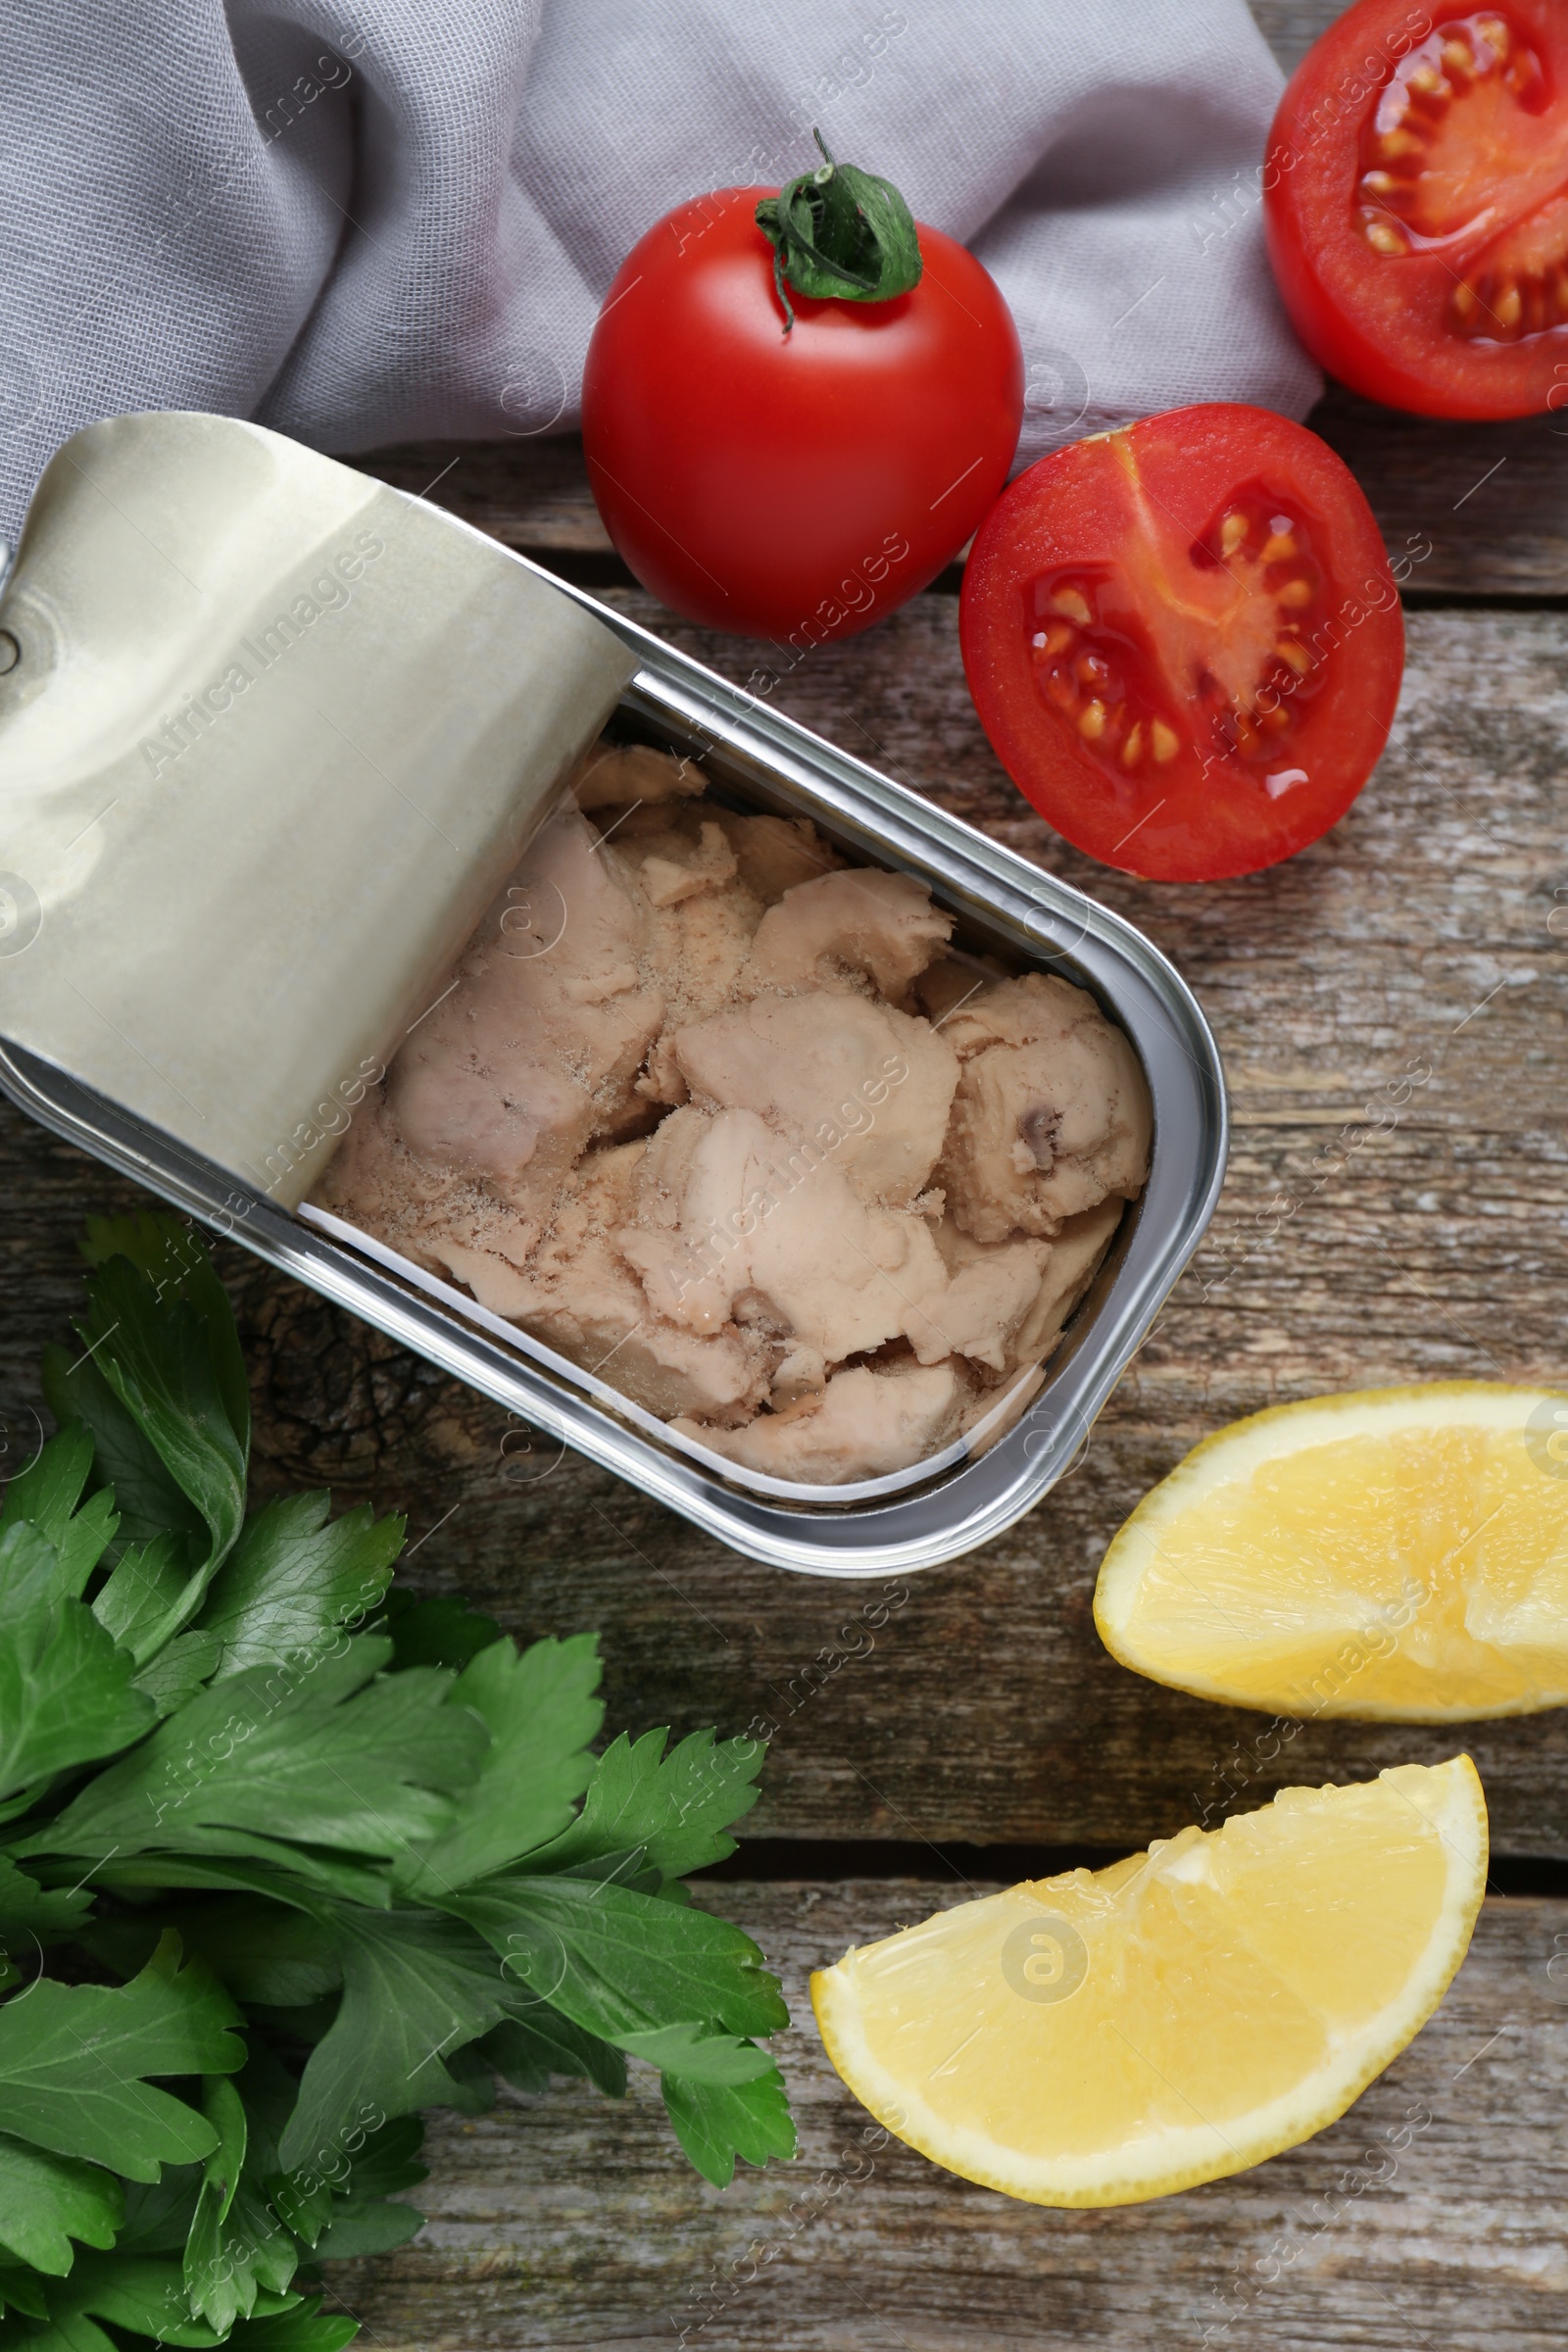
column 1416, row 206
column 1185, row 642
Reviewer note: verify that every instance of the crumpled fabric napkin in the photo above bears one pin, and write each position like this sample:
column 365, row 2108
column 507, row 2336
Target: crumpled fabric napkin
column 384, row 219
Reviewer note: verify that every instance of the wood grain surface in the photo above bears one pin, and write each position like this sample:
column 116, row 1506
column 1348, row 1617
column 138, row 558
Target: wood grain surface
column 983, row 1709
column 1479, row 511
column 1415, row 939
column 1390, row 1006
column 1427, row 1240
column 1427, row 2219
column 1291, row 26
column 1360, row 1240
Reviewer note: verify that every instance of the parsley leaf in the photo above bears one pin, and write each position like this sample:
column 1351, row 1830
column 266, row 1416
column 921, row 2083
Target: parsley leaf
column 699, row 2055
column 23, row 1903
column 179, row 1670
column 45, row 1496
column 218, row 2289
column 295, row 1576
column 537, row 2042
column 353, row 2215
column 334, row 1753
column 618, row 1962
column 395, row 1850
column 237, row 2247
column 151, row 1507
column 415, row 1985
column 174, row 1260
column 49, row 1490
column 366, row 2219
column 716, row 2123
column 439, row 1631
column 157, row 1391
column 141, row 1594
column 45, row 2201
column 374, row 2227
column 302, row 2329
column 541, row 1713
column 148, row 2297
column 74, row 2062
column 142, row 2294
column 675, row 1807
column 66, row 1694
column 389, row 2160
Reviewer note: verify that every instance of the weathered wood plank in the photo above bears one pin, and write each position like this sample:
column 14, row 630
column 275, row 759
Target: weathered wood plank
column 983, row 1709
column 530, row 494
column 564, row 2221
column 1414, row 938
column 1478, row 510
column 1474, row 510
column 1291, row 26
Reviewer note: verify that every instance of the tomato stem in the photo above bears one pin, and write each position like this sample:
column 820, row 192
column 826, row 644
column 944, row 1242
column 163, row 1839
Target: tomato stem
column 840, row 234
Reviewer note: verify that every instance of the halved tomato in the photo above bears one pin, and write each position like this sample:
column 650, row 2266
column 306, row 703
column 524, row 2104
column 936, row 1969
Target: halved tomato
column 1416, row 206
column 1185, row 642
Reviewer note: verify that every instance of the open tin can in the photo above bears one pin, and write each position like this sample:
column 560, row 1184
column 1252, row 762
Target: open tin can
column 270, row 734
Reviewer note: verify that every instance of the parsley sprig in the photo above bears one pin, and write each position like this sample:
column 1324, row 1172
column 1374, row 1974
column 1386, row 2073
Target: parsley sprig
column 286, row 1856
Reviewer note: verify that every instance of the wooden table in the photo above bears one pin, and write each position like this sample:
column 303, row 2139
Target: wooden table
column 987, row 1734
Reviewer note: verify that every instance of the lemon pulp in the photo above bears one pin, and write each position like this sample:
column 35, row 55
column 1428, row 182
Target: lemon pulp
column 1106, row 2036
column 1398, row 1553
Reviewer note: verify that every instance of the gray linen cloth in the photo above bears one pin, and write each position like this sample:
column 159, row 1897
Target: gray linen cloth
column 392, row 219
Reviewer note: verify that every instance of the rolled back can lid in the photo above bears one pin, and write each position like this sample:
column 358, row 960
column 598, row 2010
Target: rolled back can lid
column 271, row 734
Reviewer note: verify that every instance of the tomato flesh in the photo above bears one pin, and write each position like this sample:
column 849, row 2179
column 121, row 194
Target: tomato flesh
column 1463, row 117
column 1226, row 622
column 1184, row 641
column 1417, row 215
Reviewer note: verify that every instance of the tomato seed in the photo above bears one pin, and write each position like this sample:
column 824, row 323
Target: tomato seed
column 1426, row 127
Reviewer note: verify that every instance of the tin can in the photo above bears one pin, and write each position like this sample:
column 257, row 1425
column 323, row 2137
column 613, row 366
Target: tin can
column 754, row 759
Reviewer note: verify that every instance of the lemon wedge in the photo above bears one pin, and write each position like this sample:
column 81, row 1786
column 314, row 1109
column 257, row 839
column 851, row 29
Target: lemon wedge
column 1110, row 2036
column 1394, row 1554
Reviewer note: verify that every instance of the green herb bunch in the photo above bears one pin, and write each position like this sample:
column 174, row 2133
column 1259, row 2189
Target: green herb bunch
column 285, row 1858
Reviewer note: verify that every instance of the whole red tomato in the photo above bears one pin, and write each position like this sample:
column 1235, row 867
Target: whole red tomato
column 1416, row 206
column 793, row 484
column 1184, row 641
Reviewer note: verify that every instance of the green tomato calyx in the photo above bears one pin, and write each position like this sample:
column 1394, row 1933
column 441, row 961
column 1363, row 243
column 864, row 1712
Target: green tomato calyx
column 839, row 234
